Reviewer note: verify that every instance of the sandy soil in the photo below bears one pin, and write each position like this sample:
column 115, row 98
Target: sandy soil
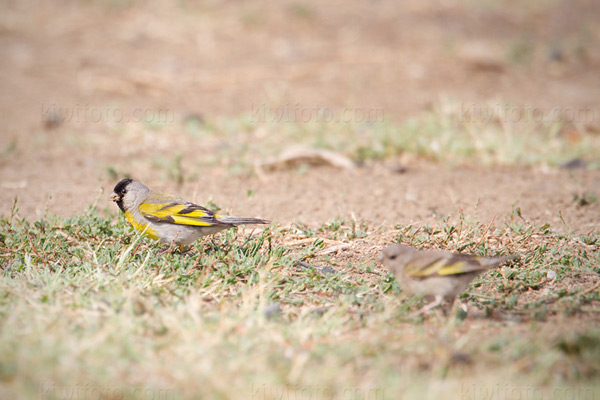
column 223, row 59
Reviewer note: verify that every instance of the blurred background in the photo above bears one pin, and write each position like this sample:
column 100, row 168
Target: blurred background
column 199, row 96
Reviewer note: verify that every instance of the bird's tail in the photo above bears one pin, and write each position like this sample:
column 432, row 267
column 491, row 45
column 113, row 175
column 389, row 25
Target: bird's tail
column 492, row 262
column 241, row 221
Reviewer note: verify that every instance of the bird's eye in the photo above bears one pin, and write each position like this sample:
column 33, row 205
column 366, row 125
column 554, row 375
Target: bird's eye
column 124, row 191
column 393, row 256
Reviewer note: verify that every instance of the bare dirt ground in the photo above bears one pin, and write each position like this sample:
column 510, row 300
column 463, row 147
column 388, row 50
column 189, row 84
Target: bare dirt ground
column 225, row 59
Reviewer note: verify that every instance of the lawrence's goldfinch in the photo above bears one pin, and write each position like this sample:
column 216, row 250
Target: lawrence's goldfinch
column 168, row 218
column 438, row 274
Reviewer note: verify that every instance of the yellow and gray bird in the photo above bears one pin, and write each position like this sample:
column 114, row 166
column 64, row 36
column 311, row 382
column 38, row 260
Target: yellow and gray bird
column 434, row 273
column 167, row 218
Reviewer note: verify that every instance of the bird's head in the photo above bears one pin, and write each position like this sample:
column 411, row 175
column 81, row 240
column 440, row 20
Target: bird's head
column 129, row 193
column 396, row 256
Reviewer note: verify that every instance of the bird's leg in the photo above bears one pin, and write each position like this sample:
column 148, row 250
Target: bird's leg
column 436, row 302
column 171, row 247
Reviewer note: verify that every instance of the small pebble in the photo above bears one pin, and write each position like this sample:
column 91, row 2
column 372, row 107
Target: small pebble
column 272, row 311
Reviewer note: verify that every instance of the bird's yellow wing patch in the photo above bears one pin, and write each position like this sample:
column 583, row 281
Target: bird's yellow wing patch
column 441, row 267
column 179, row 213
column 453, row 268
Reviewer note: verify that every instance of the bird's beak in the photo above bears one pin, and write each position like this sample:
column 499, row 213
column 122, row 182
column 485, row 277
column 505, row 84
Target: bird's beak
column 114, row 197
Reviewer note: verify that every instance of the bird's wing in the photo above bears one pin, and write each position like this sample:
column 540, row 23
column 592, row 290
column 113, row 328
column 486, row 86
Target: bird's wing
column 170, row 209
column 428, row 264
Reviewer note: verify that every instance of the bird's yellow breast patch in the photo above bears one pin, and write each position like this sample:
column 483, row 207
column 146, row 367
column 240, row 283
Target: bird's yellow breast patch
column 151, row 233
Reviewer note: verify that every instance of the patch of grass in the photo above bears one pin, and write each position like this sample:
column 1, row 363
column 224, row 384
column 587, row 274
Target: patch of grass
column 8, row 150
column 301, row 11
column 172, row 167
column 585, row 199
column 451, row 133
column 522, row 51
column 85, row 302
column 486, row 134
column 490, row 133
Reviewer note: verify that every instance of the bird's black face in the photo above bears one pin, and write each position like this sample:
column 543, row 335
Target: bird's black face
column 119, row 192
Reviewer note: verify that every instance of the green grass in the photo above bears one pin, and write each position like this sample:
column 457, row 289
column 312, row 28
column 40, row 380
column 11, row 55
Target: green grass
column 488, row 134
column 484, row 134
column 86, row 304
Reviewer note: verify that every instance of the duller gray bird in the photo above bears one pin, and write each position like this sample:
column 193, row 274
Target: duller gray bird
column 434, row 273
